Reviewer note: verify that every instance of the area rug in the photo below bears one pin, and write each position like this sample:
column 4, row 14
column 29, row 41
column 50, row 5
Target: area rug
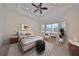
column 14, row 51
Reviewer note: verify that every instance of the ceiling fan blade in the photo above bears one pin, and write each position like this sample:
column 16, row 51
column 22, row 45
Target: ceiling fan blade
column 40, row 4
column 34, row 5
column 44, row 8
column 40, row 11
column 36, row 10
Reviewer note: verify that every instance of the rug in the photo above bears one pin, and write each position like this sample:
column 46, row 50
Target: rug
column 14, row 51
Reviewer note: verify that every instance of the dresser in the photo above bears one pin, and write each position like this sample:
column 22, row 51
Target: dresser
column 13, row 40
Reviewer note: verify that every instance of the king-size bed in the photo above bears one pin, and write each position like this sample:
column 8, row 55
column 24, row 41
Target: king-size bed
column 28, row 43
column 27, row 40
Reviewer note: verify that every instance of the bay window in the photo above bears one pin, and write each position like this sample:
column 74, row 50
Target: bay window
column 52, row 28
column 48, row 28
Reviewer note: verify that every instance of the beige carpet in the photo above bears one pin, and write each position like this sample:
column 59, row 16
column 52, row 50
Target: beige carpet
column 52, row 49
column 14, row 51
column 4, row 50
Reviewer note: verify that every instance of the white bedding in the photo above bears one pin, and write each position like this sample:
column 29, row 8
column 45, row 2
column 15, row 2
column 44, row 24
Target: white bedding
column 28, row 40
column 14, row 51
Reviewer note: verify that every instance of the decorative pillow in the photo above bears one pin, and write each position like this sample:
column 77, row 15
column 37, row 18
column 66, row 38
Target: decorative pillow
column 24, row 34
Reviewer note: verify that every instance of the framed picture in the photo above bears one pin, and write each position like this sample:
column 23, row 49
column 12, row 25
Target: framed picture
column 25, row 27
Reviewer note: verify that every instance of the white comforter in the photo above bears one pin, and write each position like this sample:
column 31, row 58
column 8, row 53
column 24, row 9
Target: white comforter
column 29, row 40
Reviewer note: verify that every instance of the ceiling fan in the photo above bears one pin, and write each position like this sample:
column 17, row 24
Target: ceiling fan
column 39, row 7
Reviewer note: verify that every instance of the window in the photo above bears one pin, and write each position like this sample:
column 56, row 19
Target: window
column 62, row 25
column 54, row 27
column 51, row 28
column 48, row 28
column 43, row 28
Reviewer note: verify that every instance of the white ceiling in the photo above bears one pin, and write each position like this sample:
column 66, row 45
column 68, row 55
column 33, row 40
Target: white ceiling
column 51, row 8
column 53, row 11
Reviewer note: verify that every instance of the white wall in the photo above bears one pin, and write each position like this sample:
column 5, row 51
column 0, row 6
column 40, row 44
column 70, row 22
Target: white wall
column 12, row 22
column 72, row 19
column 1, row 24
column 1, row 31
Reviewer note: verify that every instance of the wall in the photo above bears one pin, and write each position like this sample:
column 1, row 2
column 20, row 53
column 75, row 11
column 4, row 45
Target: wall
column 1, row 24
column 13, row 21
column 1, row 31
column 72, row 19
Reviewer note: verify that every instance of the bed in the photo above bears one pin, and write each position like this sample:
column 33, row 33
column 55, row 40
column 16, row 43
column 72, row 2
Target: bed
column 27, row 40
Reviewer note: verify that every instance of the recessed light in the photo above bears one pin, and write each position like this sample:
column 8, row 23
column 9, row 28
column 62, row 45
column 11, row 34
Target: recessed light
column 27, row 8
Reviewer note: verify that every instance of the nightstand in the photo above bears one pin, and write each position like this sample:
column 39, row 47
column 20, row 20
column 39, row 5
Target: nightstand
column 13, row 39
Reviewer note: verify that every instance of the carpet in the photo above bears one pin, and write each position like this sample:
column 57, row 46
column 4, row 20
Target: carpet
column 14, row 51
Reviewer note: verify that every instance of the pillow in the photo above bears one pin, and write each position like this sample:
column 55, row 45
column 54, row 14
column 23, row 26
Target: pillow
column 24, row 34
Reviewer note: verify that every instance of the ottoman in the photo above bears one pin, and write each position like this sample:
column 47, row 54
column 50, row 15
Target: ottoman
column 40, row 46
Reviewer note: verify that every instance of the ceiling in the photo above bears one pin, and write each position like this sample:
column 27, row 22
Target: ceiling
column 53, row 11
column 23, row 6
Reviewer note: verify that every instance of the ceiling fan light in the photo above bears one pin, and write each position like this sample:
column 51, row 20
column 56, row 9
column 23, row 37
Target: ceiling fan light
column 39, row 8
